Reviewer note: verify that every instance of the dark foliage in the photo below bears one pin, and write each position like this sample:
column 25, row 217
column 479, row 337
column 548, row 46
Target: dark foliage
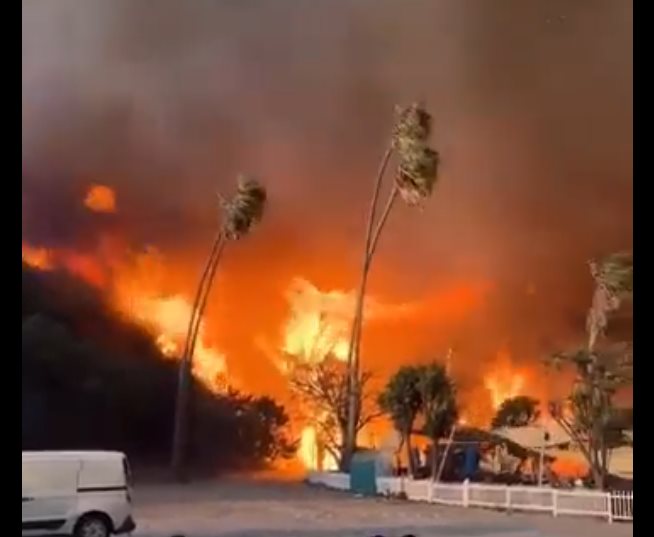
column 518, row 411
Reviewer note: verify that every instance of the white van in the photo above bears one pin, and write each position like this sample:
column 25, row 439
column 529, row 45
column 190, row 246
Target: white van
column 83, row 494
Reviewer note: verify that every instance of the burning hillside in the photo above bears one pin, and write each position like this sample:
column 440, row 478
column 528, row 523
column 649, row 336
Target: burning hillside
column 314, row 328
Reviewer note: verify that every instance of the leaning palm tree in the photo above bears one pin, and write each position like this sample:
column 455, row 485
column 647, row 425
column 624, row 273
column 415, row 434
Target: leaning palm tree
column 415, row 178
column 240, row 214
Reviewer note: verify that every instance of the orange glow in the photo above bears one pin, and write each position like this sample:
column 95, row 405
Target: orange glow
column 100, row 199
column 504, row 381
column 40, row 258
column 311, row 453
column 87, row 267
column 241, row 342
column 317, row 328
column 570, row 466
column 168, row 318
column 130, row 286
column 318, row 324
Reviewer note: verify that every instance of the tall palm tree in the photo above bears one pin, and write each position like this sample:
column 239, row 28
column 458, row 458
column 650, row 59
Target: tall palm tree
column 240, row 214
column 415, row 178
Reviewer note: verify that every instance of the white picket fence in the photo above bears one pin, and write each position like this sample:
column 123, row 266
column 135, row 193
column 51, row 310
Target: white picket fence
column 616, row 505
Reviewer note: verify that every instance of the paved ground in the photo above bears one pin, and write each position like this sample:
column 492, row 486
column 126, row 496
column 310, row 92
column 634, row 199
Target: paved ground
column 264, row 508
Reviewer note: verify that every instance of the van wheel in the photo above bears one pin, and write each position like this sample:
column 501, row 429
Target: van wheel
column 92, row 526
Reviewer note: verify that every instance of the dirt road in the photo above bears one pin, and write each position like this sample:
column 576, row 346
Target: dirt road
column 258, row 508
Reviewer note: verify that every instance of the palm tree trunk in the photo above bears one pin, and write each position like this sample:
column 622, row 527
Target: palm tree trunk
column 203, row 303
column 352, row 356
column 194, row 337
column 372, row 247
column 354, row 395
column 185, row 368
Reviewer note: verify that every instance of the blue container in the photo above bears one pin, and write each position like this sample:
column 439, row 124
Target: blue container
column 363, row 474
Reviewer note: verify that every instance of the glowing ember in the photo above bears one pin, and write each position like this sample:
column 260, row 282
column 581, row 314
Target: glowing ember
column 39, row 258
column 100, row 199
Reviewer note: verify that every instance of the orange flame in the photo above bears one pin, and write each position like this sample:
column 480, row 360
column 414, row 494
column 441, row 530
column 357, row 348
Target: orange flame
column 569, row 466
column 146, row 288
column 318, row 324
column 168, row 317
column 504, row 381
column 127, row 282
column 100, row 199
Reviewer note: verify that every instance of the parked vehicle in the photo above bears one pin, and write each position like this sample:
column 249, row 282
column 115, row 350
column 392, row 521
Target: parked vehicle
column 82, row 494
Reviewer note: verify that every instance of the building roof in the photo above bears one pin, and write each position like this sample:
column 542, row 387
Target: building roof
column 531, row 436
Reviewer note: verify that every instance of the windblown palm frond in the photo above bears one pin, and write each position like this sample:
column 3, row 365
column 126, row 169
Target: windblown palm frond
column 245, row 209
column 418, row 168
column 615, row 272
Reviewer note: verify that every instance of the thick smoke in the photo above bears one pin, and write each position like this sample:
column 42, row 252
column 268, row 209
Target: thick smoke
column 532, row 104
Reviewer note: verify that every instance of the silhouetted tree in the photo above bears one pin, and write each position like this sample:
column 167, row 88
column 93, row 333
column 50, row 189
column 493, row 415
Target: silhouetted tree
column 438, row 405
column 402, row 401
column 518, row 411
column 600, row 369
column 323, row 390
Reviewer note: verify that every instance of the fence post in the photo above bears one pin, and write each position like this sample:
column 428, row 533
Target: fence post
column 555, row 503
column 508, row 498
column 430, row 490
column 609, row 501
column 466, row 493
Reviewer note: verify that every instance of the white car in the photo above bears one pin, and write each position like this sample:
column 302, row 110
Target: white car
column 82, row 494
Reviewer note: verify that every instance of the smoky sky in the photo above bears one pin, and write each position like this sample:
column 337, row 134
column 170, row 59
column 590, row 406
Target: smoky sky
column 167, row 101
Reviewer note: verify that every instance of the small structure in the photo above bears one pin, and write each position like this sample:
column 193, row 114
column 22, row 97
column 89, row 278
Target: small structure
column 363, row 472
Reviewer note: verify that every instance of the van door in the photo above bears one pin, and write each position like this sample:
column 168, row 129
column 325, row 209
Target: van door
column 49, row 493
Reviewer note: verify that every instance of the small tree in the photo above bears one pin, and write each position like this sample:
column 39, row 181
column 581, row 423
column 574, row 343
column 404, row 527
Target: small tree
column 439, row 409
column 588, row 412
column 517, row 411
column 323, row 390
column 402, row 401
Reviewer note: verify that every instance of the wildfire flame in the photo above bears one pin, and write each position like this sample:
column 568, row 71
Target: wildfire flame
column 312, row 455
column 124, row 281
column 318, row 323
column 168, row 317
column 504, row 381
column 317, row 326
